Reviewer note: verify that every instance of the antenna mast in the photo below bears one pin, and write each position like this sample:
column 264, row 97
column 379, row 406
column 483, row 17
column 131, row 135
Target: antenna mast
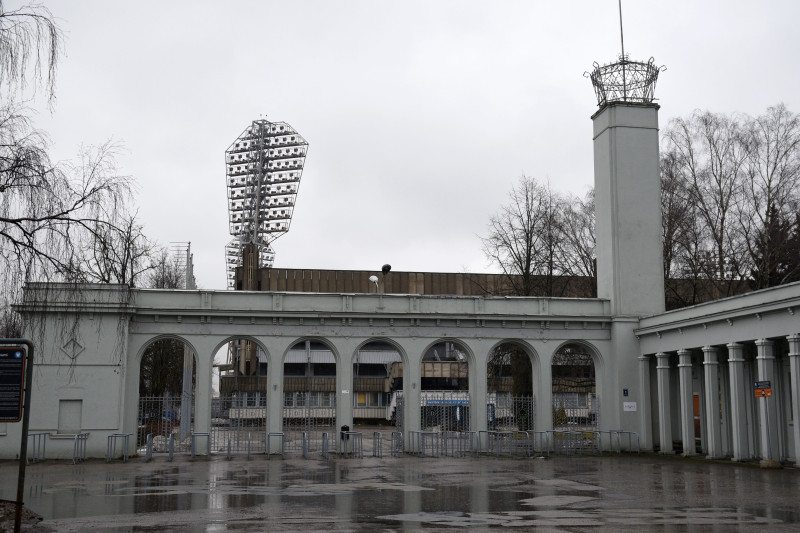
column 622, row 57
column 621, row 36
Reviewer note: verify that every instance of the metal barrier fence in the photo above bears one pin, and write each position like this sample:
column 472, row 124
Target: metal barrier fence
column 79, row 448
column 312, row 420
column 161, row 416
column 238, row 428
column 575, row 442
column 37, row 447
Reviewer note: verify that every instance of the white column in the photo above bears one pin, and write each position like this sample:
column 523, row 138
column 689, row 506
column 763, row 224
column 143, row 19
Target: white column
column 687, row 404
column 739, row 415
column 711, row 374
column 645, row 421
column 664, row 412
column 202, row 392
column 186, row 392
column 794, row 378
column 766, row 406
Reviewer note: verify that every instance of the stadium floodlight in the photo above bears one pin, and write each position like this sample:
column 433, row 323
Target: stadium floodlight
column 263, row 167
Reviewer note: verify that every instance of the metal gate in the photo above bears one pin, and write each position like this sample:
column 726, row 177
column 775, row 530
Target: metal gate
column 312, row 413
column 510, row 413
column 444, row 410
column 165, row 417
column 238, row 424
column 576, row 419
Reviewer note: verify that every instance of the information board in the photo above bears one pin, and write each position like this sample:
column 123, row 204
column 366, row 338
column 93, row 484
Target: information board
column 12, row 380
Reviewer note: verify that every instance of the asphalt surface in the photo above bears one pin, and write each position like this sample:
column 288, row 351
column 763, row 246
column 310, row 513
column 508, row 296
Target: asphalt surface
column 609, row 493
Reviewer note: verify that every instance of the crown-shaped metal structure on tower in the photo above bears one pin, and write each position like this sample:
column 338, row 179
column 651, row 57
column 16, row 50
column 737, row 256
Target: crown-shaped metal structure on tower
column 625, row 81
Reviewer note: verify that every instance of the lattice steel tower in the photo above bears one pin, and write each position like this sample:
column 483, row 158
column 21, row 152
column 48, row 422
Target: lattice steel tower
column 264, row 165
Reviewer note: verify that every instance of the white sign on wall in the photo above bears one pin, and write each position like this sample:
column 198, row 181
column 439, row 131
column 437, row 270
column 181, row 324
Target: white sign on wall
column 629, row 406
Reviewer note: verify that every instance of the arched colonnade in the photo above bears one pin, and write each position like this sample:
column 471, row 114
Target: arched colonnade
column 345, row 349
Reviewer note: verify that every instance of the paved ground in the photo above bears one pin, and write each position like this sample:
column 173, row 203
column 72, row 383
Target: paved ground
column 629, row 493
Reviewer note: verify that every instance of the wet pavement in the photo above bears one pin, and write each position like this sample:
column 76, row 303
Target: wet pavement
column 628, row 493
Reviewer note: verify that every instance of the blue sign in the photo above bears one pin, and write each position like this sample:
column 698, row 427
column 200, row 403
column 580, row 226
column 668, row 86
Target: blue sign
column 447, row 402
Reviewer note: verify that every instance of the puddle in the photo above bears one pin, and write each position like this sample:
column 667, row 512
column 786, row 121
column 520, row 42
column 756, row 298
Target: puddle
column 395, row 494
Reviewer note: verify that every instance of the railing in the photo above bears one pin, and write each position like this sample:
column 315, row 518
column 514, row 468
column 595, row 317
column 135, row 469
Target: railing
column 111, row 445
column 38, row 447
column 79, row 448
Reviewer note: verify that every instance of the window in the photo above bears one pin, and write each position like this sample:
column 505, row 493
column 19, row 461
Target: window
column 69, row 416
column 288, row 399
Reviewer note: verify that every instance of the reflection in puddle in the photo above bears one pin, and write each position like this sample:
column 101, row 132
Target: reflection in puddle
column 407, row 493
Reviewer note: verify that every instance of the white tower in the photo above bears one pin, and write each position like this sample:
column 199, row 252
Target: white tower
column 630, row 268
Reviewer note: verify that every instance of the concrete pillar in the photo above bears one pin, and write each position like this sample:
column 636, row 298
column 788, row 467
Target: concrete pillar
column 725, row 408
column 202, row 393
column 344, row 387
column 645, row 421
column 766, row 406
column 664, row 411
column 711, row 374
column 794, row 379
column 186, row 392
column 687, row 405
column 739, row 414
column 276, row 348
column 630, row 269
column 412, row 384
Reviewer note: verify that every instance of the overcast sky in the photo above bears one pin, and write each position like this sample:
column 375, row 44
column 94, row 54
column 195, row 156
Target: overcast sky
column 420, row 116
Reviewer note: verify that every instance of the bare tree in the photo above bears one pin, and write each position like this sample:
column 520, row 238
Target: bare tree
column 118, row 253
column 525, row 238
column 166, row 273
column 710, row 156
column 46, row 211
column 30, row 45
column 578, row 224
column 770, row 193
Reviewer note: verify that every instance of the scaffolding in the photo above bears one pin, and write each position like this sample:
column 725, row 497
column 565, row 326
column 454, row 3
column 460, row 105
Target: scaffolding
column 263, row 167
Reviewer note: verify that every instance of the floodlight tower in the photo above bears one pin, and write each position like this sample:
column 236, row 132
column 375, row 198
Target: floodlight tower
column 263, row 167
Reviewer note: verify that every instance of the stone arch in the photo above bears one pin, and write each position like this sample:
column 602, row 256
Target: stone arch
column 445, row 368
column 322, row 340
column 378, row 391
column 467, row 350
column 576, row 384
column 166, row 413
column 230, row 338
column 156, row 338
column 533, row 356
column 512, row 367
column 310, row 373
column 240, row 410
